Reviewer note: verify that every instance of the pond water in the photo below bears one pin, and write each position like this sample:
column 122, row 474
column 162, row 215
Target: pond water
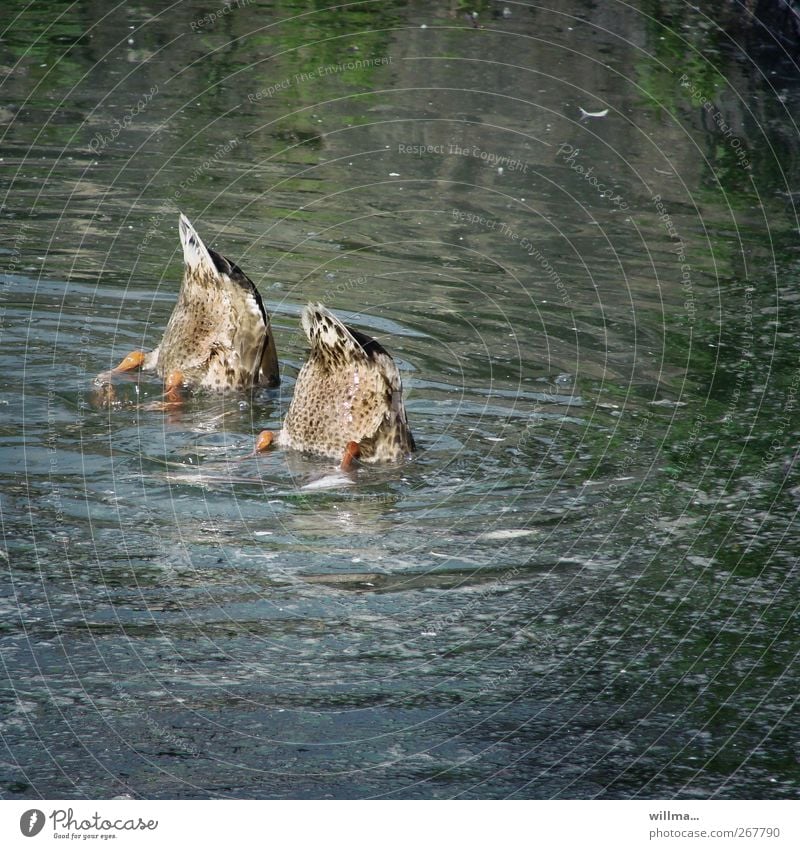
column 584, row 584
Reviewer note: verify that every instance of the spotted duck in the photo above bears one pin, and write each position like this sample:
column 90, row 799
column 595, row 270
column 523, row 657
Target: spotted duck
column 218, row 336
column 348, row 399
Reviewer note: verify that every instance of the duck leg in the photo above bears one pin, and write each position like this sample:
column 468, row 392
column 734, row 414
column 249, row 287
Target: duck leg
column 173, row 393
column 264, row 440
column 352, row 452
column 173, row 387
column 133, row 361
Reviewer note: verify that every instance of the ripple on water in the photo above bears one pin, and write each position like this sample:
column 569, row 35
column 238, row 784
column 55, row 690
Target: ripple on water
column 577, row 587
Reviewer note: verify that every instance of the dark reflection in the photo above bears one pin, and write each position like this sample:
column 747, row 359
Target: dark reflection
column 575, row 229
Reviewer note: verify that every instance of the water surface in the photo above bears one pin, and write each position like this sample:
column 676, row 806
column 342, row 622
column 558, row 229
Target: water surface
column 584, row 584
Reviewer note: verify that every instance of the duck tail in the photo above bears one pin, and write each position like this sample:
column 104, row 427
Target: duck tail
column 331, row 342
column 195, row 254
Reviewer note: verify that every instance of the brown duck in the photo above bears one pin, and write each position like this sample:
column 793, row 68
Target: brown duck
column 348, row 399
column 218, row 336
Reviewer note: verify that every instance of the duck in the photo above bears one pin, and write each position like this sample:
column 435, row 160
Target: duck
column 348, row 398
column 219, row 335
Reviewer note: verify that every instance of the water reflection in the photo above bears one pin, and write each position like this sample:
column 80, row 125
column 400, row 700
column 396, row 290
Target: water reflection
column 582, row 584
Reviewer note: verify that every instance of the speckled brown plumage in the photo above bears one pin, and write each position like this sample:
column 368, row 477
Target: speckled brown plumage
column 219, row 335
column 349, row 390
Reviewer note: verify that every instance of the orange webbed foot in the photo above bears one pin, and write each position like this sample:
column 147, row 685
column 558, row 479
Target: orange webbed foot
column 264, row 440
column 173, row 393
column 352, row 452
column 173, row 387
column 133, row 361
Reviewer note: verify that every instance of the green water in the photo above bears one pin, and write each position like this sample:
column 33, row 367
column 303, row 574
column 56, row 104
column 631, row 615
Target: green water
column 585, row 582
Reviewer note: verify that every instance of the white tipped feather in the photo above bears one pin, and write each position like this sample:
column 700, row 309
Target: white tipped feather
column 195, row 253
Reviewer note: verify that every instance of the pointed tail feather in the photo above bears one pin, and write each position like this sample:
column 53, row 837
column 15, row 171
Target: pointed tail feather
column 195, row 253
column 334, row 341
